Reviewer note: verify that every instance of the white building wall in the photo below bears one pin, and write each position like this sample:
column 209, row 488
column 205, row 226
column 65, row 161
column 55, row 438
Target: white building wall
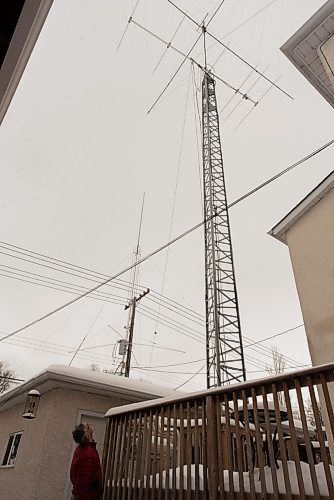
column 45, row 452
column 311, row 247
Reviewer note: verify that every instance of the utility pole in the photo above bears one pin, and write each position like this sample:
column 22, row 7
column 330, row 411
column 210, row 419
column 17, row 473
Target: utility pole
column 224, row 350
column 125, row 366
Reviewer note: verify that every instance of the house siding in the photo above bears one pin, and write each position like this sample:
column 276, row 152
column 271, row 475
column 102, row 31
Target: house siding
column 44, row 456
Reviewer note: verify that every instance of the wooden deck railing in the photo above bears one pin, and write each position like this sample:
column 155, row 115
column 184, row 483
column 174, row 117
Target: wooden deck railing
column 259, row 439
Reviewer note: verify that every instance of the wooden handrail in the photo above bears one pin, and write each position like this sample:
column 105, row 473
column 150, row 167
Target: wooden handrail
column 244, row 439
column 247, row 387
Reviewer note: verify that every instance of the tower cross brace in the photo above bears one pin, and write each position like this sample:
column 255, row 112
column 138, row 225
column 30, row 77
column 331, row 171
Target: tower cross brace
column 224, row 350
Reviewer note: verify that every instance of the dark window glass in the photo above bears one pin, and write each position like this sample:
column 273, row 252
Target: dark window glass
column 9, row 446
column 12, row 449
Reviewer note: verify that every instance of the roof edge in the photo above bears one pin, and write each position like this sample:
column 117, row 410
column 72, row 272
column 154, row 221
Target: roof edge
column 279, row 231
column 26, row 33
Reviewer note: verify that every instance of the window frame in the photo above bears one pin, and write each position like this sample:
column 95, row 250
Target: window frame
column 7, row 460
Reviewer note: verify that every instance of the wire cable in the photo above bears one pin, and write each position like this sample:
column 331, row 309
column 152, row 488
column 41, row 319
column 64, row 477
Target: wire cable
column 191, row 378
column 169, row 243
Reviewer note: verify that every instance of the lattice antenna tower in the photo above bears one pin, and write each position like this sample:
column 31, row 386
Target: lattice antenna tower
column 224, row 350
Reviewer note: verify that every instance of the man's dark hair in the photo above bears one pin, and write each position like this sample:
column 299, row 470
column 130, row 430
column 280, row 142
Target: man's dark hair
column 79, row 433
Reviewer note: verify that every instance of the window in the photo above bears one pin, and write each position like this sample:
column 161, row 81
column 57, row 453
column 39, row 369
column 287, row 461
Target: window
column 12, row 448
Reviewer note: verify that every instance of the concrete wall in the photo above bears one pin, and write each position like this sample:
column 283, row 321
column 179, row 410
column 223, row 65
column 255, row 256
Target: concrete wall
column 46, row 447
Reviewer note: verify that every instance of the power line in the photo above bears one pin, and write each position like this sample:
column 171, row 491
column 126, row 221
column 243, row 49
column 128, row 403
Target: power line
column 189, row 379
column 172, row 215
column 169, row 243
column 169, row 322
column 118, row 284
column 215, row 13
column 248, row 19
column 276, row 335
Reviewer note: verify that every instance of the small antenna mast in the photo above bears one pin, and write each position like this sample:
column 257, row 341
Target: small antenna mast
column 125, row 345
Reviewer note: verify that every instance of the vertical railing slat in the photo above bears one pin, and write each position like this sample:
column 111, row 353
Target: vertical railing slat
column 259, row 446
column 128, row 429
column 110, row 458
column 269, row 443
column 142, row 453
column 161, row 448
column 328, row 403
column 248, row 446
column 176, row 450
column 212, row 447
column 294, row 441
column 238, row 444
column 132, row 464
column 196, row 454
column 204, row 448
column 281, row 443
column 168, row 451
column 138, row 446
column 114, row 472
column 228, row 440
column 182, row 451
column 321, row 438
column 188, row 452
column 307, row 439
column 155, row 452
column 219, row 438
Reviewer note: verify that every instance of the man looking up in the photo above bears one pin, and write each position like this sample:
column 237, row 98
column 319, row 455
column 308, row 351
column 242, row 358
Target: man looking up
column 86, row 475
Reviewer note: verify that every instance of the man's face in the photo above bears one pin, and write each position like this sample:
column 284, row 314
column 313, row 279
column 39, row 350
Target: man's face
column 88, row 432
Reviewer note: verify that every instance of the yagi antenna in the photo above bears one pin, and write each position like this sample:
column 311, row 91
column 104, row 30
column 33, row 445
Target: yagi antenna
column 248, row 90
column 231, row 98
column 238, row 56
column 127, row 26
column 187, row 57
column 166, row 49
column 263, row 95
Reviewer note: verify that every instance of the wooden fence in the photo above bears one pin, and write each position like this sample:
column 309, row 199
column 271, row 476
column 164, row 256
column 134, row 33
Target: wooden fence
column 259, row 439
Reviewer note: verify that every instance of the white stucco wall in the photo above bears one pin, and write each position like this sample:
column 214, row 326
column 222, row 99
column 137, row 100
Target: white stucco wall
column 44, row 455
column 311, row 246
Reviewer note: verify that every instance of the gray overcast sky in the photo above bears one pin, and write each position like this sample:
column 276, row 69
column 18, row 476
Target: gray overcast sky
column 78, row 150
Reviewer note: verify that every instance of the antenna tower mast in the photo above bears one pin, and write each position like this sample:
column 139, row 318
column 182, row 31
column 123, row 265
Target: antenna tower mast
column 224, row 350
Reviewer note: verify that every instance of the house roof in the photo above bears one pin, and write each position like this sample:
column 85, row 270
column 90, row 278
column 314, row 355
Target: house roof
column 304, row 50
column 88, row 381
column 280, row 230
column 20, row 26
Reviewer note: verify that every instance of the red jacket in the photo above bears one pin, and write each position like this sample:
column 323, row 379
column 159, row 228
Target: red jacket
column 86, row 475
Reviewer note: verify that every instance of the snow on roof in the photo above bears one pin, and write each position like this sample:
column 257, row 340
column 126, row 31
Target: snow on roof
column 86, row 380
column 280, row 230
column 108, row 379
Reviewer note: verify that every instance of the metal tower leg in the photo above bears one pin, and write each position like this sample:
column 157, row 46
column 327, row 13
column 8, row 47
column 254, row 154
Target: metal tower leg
column 225, row 360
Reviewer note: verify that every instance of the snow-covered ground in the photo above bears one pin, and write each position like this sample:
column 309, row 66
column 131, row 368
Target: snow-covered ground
column 319, row 469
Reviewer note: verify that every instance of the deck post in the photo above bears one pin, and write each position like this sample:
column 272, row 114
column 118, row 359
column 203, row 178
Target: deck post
column 212, row 447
